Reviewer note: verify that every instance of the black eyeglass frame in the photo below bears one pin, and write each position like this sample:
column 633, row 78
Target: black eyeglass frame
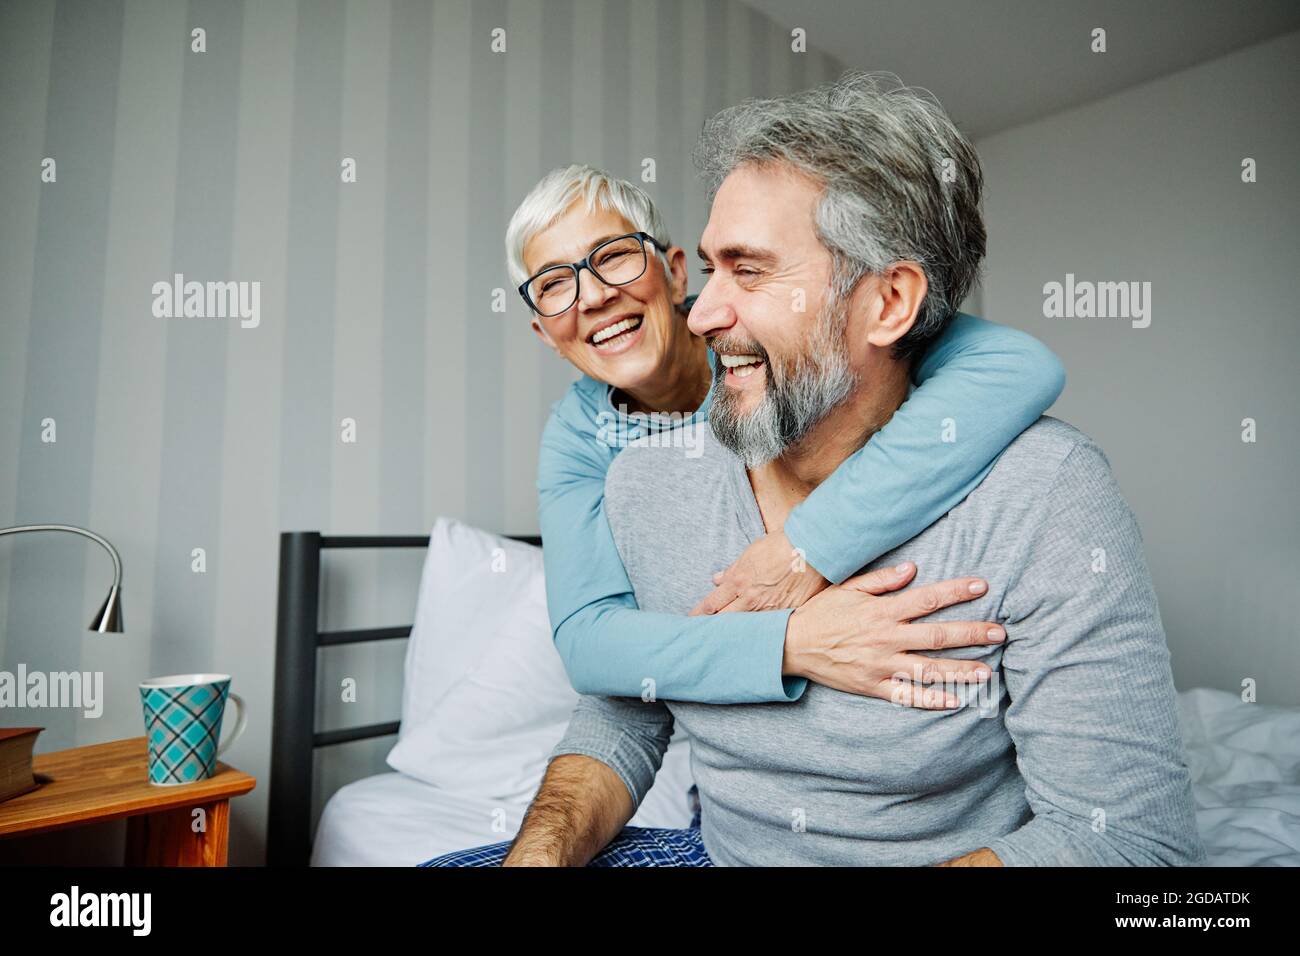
column 585, row 263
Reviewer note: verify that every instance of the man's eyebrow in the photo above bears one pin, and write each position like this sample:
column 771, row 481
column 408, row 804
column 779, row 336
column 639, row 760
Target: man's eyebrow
column 594, row 244
column 739, row 251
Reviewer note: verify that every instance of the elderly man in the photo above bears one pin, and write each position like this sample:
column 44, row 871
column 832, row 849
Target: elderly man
column 835, row 252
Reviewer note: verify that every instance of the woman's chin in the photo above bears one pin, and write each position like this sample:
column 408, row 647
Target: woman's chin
column 632, row 377
column 632, row 371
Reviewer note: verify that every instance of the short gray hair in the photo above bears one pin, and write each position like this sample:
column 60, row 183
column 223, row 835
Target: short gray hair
column 884, row 153
column 557, row 190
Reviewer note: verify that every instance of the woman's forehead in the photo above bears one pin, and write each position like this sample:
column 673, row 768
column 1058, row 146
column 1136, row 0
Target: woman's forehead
column 571, row 236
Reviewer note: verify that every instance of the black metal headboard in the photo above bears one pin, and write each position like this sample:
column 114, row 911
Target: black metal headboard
column 294, row 738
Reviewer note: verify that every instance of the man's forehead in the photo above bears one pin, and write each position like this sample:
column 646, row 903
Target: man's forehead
column 759, row 210
column 746, row 233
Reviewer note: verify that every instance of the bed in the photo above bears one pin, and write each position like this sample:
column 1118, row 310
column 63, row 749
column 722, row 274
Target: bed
column 479, row 718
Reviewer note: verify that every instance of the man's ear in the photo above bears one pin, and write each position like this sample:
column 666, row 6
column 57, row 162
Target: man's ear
column 899, row 292
column 544, row 336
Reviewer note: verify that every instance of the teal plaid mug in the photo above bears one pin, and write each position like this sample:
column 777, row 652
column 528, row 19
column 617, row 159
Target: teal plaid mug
column 182, row 725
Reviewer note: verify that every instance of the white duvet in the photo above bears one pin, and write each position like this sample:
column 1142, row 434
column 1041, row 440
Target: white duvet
column 1245, row 764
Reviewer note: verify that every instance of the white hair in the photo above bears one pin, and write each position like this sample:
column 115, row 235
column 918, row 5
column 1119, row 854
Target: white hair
column 558, row 189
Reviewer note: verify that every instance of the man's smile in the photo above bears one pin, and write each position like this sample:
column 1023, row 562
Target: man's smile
column 742, row 363
column 742, row 366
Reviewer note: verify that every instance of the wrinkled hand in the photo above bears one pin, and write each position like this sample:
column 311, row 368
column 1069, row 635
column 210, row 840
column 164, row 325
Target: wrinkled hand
column 858, row 638
column 770, row 574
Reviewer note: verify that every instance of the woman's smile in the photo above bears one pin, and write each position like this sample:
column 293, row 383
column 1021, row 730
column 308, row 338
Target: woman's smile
column 616, row 335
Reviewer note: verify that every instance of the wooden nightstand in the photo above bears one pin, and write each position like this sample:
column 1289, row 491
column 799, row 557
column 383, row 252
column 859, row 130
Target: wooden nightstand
column 108, row 781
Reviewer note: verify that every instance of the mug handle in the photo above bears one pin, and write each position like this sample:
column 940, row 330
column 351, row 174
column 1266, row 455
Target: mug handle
column 240, row 721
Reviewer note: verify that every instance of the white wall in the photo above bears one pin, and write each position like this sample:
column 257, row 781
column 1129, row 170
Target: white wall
column 1146, row 185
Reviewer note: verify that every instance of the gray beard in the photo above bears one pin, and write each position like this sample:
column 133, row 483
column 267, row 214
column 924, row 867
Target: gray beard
column 798, row 394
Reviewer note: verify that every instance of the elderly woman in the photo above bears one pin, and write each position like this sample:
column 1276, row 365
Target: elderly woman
column 608, row 292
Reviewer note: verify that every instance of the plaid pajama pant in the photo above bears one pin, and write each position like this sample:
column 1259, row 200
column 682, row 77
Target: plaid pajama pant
column 634, row 846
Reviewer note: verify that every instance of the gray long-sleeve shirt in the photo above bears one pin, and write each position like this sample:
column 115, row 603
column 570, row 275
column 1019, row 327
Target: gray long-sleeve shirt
column 1071, row 755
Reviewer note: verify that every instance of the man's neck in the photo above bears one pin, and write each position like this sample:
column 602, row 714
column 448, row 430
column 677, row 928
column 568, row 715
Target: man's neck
column 784, row 482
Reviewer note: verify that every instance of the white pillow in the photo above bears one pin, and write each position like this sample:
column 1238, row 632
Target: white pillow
column 474, row 586
column 486, row 697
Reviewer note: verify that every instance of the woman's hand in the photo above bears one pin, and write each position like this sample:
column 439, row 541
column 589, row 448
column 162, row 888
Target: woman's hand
column 769, row 574
column 858, row 638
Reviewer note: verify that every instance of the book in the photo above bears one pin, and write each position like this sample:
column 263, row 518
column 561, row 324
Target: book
column 16, row 775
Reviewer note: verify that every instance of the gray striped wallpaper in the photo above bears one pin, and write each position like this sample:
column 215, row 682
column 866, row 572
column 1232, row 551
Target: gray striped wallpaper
column 178, row 434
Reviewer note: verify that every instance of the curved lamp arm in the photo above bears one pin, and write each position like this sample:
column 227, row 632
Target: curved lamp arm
column 109, row 618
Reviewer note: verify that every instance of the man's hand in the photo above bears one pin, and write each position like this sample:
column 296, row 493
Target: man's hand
column 858, row 638
column 982, row 857
column 769, row 574
column 580, row 806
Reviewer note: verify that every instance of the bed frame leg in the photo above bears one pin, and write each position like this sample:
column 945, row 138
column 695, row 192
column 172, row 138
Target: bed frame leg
column 288, row 840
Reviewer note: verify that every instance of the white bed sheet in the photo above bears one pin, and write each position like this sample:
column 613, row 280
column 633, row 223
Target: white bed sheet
column 1245, row 764
column 391, row 819
column 1244, row 759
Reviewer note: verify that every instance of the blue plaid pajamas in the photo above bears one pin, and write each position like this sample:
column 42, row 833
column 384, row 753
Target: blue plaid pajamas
column 634, row 846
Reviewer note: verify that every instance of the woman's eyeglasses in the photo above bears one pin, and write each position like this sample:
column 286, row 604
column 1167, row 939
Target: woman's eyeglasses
column 616, row 261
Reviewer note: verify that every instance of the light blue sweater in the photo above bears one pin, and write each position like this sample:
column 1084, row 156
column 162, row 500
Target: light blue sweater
column 979, row 386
